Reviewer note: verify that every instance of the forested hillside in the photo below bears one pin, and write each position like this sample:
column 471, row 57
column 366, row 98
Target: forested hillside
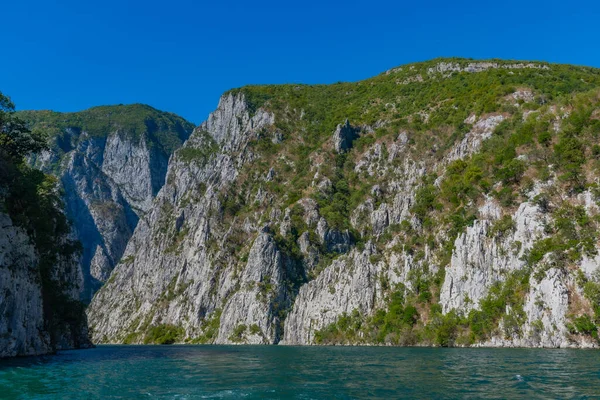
column 451, row 202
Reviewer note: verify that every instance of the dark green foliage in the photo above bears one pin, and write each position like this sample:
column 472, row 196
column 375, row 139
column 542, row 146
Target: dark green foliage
column 591, row 290
column 265, row 288
column 463, row 181
column 431, row 112
column 446, row 329
column 586, row 326
column 164, row 334
column 255, row 329
column 396, row 316
column 238, row 333
column 137, row 121
column 505, row 196
column 210, row 328
column 572, row 234
column 543, row 202
column 539, row 250
column 336, row 205
column 232, row 202
column 544, row 138
column 199, row 153
column 33, row 202
column 385, row 326
column 569, row 153
column 499, row 166
column 16, row 140
column 575, row 143
column 422, row 282
column 466, row 180
column 345, row 329
column 289, row 243
column 306, row 116
column 325, row 106
column 502, row 227
column 511, row 293
column 399, row 323
column 511, row 172
column 426, row 200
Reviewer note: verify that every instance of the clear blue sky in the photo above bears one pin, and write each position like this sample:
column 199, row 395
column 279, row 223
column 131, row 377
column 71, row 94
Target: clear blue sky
column 180, row 55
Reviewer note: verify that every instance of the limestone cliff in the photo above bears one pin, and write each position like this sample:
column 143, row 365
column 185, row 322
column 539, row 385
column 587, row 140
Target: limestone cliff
column 447, row 203
column 26, row 325
column 111, row 162
column 40, row 276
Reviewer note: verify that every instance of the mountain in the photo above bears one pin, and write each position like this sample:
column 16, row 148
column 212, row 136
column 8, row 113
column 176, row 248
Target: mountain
column 450, row 202
column 40, row 276
column 111, row 161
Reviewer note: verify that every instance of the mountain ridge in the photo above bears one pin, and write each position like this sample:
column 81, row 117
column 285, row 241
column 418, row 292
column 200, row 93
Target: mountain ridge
column 349, row 213
column 111, row 161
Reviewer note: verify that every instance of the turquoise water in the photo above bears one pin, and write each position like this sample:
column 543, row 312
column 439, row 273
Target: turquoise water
column 273, row 372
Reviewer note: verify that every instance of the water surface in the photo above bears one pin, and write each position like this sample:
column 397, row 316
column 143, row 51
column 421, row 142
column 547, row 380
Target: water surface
column 273, row 372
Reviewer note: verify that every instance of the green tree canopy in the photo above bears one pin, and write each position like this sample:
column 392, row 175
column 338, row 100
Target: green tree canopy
column 16, row 140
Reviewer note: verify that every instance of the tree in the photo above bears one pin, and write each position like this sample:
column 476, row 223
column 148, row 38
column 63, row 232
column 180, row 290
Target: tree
column 16, row 140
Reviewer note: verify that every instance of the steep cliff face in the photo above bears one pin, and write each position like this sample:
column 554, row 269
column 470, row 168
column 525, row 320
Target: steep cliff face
column 178, row 269
column 111, row 161
column 443, row 203
column 40, row 276
column 40, row 310
column 22, row 307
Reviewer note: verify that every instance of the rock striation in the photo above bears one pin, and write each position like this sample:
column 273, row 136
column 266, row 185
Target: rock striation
column 452, row 214
column 111, row 162
column 27, row 326
column 189, row 257
column 343, row 136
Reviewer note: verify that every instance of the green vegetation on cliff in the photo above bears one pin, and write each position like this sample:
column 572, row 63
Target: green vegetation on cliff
column 401, row 94
column 32, row 200
column 166, row 130
column 435, row 104
column 432, row 109
column 451, row 202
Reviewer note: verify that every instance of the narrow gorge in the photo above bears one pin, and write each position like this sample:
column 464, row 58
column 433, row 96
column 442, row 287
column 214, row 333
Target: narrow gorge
column 451, row 202
column 111, row 162
column 445, row 203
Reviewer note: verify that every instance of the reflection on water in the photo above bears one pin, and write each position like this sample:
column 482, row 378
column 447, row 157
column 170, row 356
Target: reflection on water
column 194, row 372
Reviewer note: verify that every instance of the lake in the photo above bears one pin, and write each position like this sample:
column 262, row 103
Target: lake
column 273, row 372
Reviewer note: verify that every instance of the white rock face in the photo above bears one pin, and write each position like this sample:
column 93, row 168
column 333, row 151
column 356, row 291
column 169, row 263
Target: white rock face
column 197, row 272
column 474, row 67
column 228, row 123
column 261, row 288
column 343, row 137
column 109, row 183
column 478, row 260
column 546, row 307
column 590, row 266
column 349, row 283
column 136, row 170
column 23, row 326
column 103, row 219
column 21, row 309
column 222, row 278
column 548, row 302
column 471, row 143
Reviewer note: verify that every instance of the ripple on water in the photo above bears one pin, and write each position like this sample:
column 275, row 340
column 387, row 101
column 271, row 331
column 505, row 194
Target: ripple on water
column 227, row 372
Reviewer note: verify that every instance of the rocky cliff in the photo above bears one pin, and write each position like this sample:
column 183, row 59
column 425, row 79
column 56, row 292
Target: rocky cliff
column 111, row 162
column 40, row 310
column 448, row 203
column 40, row 276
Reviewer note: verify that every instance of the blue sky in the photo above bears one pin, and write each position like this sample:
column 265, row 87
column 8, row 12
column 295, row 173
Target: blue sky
column 180, row 55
